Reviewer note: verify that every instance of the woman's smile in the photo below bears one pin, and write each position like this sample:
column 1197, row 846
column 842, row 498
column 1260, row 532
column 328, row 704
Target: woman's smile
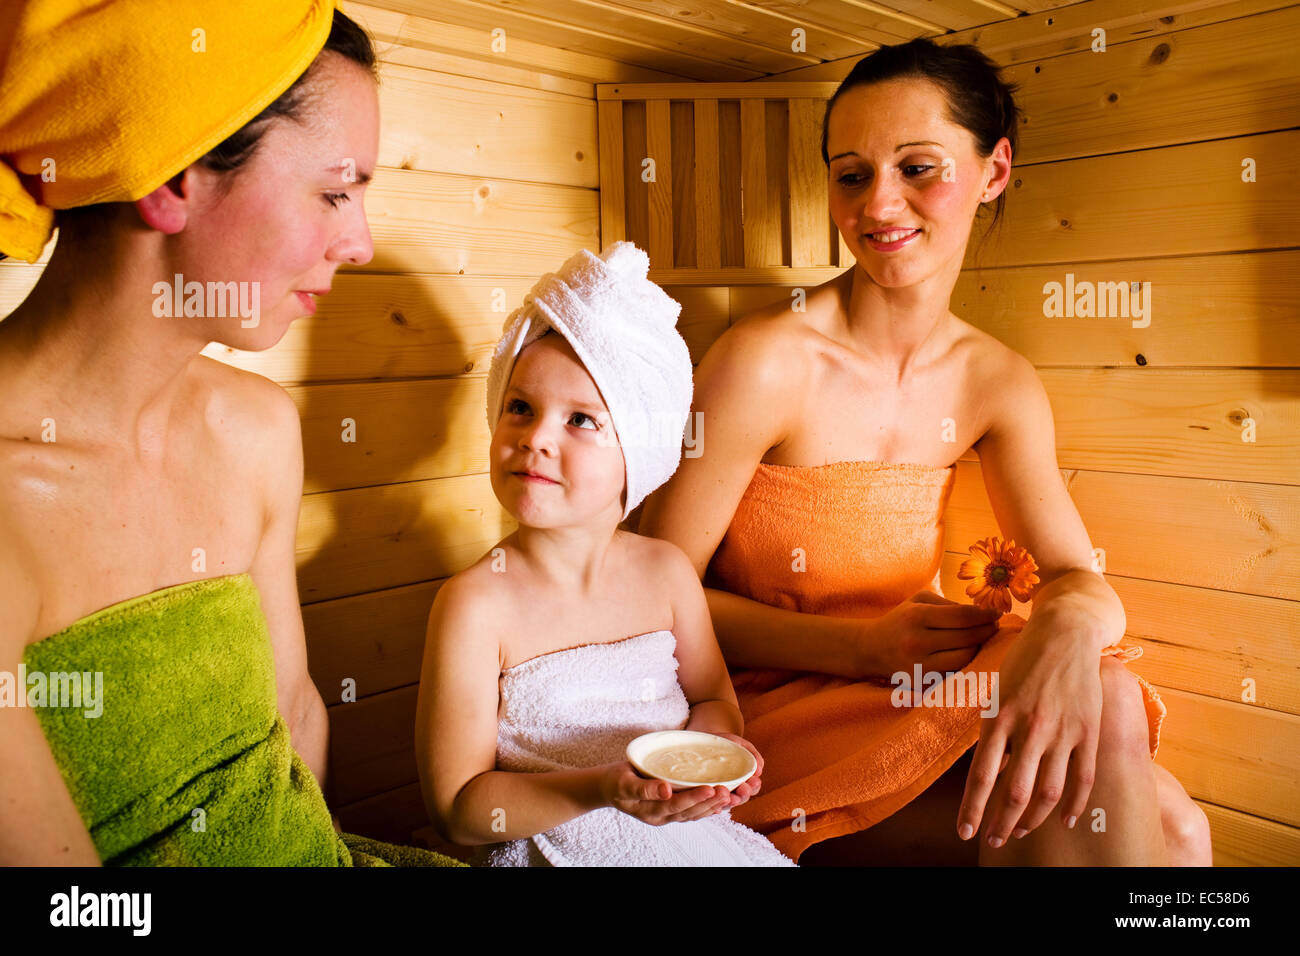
column 892, row 239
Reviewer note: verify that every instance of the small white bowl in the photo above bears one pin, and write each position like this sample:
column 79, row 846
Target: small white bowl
column 639, row 749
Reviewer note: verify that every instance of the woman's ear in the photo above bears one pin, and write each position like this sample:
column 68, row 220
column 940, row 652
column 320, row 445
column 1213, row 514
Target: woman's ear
column 167, row 207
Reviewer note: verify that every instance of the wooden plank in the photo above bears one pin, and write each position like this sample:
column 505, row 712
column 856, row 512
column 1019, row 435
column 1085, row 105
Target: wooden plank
column 1228, row 79
column 771, row 25
column 1179, row 200
column 613, row 200
column 660, row 32
column 682, row 137
column 1234, row 755
column 395, row 816
column 731, row 186
column 635, row 154
column 481, row 128
column 376, row 640
column 442, row 222
column 946, row 15
column 1200, row 305
column 659, row 191
column 1175, row 422
column 1066, row 28
column 809, row 215
column 1230, row 536
column 1197, row 639
column 625, row 44
column 649, row 92
column 1240, row 839
column 708, row 201
column 468, row 50
column 378, row 433
column 399, row 326
column 372, row 745
column 365, row 539
column 1062, row 30
column 760, row 241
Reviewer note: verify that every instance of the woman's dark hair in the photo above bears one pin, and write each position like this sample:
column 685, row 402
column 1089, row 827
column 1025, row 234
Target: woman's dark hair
column 346, row 38
column 978, row 99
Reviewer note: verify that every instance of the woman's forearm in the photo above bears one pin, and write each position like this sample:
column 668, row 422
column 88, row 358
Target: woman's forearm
column 309, row 735
column 753, row 634
column 1080, row 596
column 501, row 805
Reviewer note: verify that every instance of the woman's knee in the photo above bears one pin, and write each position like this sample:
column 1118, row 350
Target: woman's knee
column 1185, row 825
column 1124, row 733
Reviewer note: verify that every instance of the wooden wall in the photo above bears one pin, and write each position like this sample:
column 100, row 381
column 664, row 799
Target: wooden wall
column 1130, row 169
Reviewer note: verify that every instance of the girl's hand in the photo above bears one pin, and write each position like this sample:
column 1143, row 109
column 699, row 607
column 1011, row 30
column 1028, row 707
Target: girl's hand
column 654, row 802
column 1049, row 712
column 928, row 629
column 754, row 783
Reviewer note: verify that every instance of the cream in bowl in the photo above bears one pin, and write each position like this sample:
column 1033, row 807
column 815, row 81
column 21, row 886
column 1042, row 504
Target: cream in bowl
column 690, row 758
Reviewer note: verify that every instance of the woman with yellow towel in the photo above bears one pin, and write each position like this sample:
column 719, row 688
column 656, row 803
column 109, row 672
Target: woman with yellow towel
column 205, row 164
column 814, row 516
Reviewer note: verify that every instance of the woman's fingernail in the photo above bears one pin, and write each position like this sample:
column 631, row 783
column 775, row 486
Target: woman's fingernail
column 1018, row 832
column 995, row 841
column 1070, row 822
column 965, row 831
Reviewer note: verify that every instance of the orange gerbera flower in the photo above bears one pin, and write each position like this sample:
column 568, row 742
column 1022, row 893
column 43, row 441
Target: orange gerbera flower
column 999, row 572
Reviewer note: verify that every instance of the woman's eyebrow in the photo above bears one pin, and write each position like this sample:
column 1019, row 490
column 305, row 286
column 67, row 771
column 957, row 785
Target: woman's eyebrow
column 359, row 176
column 919, row 142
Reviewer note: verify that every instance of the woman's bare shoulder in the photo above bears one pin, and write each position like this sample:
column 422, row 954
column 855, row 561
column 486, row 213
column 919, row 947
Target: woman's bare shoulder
column 759, row 361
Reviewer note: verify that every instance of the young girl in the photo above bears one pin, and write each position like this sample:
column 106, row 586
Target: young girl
column 532, row 686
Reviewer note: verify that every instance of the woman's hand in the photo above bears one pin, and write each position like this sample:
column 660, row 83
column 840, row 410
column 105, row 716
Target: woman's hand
column 1049, row 710
column 654, row 802
column 926, row 629
column 751, row 786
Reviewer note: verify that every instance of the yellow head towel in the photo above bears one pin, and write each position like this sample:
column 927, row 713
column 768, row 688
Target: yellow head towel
column 105, row 100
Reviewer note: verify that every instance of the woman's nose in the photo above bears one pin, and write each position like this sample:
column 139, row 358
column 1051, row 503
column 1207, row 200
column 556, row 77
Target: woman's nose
column 883, row 201
column 354, row 245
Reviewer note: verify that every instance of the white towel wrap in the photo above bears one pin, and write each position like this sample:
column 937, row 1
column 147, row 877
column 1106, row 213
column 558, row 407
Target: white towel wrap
column 579, row 707
column 623, row 328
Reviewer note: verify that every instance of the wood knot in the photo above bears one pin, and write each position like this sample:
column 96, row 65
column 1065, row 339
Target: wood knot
column 397, row 317
column 1159, row 54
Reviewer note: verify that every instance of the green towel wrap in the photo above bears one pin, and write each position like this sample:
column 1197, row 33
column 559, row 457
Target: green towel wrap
column 188, row 762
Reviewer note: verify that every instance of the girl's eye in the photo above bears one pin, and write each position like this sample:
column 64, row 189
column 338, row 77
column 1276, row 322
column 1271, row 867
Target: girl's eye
column 515, row 403
column 921, row 166
column 850, row 179
column 335, row 198
column 595, row 425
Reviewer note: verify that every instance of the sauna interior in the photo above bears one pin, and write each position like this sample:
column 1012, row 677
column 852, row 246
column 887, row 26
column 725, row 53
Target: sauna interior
column 1159, row 146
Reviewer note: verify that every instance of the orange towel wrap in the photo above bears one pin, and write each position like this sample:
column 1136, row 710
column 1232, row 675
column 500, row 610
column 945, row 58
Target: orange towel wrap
column 848, row 539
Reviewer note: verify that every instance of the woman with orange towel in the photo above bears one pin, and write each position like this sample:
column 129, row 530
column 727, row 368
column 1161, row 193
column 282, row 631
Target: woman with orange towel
column 814, row 517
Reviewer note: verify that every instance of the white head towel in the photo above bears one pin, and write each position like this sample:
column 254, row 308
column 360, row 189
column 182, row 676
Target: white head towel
column 624, row 329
